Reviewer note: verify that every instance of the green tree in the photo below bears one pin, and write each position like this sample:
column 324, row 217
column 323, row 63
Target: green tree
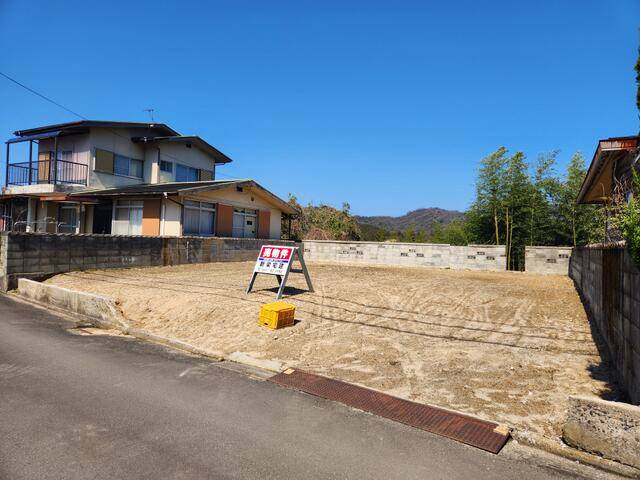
column 629, row 221
column 578, row 224
column 485, row 215
column 545, row 185
column 517, row 210
column 454, row 233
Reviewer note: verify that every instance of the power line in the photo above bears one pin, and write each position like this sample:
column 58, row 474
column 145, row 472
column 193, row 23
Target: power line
column 150, row 110
column 56, row 103
column 42, row 96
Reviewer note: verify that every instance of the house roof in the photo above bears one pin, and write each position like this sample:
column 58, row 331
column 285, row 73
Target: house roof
column 185, row 188
column 82, row 124
column 596, row 187
column 220, row 158
column 158, row 132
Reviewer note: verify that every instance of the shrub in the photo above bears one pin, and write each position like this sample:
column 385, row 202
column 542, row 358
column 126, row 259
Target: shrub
column 629, row 222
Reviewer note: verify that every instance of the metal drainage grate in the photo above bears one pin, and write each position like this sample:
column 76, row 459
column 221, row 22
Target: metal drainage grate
column 472, row 431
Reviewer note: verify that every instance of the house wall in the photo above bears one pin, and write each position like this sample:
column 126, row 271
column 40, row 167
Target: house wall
column 232, row 198
column 46, row 211
column 165, row 217
column 275, row 224
column 609, row 284
column 119, row 142
column 178, row 152
column 34, row 255
column 78, row 144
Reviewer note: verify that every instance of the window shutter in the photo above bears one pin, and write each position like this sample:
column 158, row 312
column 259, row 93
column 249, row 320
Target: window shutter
column 104, row 161
column 224, row 220
column 264, row 223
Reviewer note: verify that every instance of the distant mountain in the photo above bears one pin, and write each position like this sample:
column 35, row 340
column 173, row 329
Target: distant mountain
column 422, row 219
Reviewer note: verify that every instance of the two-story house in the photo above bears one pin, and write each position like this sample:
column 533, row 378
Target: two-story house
column 125, row 178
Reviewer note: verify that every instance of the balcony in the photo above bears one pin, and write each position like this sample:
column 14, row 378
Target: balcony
column 51, row 172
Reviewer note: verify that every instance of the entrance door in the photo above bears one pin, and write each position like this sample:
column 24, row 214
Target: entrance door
column 245, row 223
column 102, row 214
column 250, row 226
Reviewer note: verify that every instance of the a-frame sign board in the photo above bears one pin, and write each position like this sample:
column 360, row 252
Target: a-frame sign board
column 276, row 260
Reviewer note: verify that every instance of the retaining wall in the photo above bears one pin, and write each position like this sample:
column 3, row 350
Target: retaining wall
column 610, row 429
column 609, row 283
column 550, row 260
column 475, row 257
column 37, row 255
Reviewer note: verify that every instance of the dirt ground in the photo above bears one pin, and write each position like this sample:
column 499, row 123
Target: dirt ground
column 508, row 347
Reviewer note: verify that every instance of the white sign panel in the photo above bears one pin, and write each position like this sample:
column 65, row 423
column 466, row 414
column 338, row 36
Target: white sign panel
column 273, row 260
column 276, row 260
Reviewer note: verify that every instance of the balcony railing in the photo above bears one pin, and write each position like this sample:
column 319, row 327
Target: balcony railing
column 54, row 172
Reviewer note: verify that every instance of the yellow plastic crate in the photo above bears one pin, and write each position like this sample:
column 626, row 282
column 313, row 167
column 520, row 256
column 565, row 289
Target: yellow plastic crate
column 276, row 315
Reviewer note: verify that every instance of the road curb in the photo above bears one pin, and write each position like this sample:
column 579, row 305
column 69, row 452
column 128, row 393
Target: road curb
column 560, row 449
column 122, row 325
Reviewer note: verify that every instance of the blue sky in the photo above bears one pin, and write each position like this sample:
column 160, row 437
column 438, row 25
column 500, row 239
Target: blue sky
column 386, row 105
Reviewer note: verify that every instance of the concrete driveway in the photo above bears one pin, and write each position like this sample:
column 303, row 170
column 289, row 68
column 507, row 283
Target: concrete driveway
column 103, row 407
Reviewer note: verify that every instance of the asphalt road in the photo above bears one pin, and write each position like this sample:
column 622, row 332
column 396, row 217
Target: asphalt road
column 105, row 407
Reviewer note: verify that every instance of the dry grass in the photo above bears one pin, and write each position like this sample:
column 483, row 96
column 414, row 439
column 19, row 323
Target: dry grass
column 505, row 346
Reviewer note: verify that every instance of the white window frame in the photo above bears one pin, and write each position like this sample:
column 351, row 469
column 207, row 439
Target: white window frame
column 65, row 227
column 129, row 173
column 200, row 207
column 130, row 206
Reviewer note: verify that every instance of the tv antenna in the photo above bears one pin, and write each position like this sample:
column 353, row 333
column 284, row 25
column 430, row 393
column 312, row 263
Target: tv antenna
column 150, row 112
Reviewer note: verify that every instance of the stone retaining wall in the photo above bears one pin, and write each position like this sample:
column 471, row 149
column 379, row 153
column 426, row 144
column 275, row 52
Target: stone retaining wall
column 550, row 260
column 475, row 257
column 37, row 255
column 609, row 283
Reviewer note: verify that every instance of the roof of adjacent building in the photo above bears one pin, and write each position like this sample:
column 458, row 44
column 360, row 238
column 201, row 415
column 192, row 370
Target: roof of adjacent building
column 597, row 184
column 185, row 188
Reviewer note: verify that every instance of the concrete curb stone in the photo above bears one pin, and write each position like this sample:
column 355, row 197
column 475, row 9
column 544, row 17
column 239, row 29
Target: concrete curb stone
column 557, row 448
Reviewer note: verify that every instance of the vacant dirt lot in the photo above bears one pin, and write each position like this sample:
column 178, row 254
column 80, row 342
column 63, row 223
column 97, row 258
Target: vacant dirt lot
column 504, row 346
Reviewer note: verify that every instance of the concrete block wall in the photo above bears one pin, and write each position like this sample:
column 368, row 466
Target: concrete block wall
column 609, row 283
column 477, row 257
column 548, row 260
column 37, row 255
